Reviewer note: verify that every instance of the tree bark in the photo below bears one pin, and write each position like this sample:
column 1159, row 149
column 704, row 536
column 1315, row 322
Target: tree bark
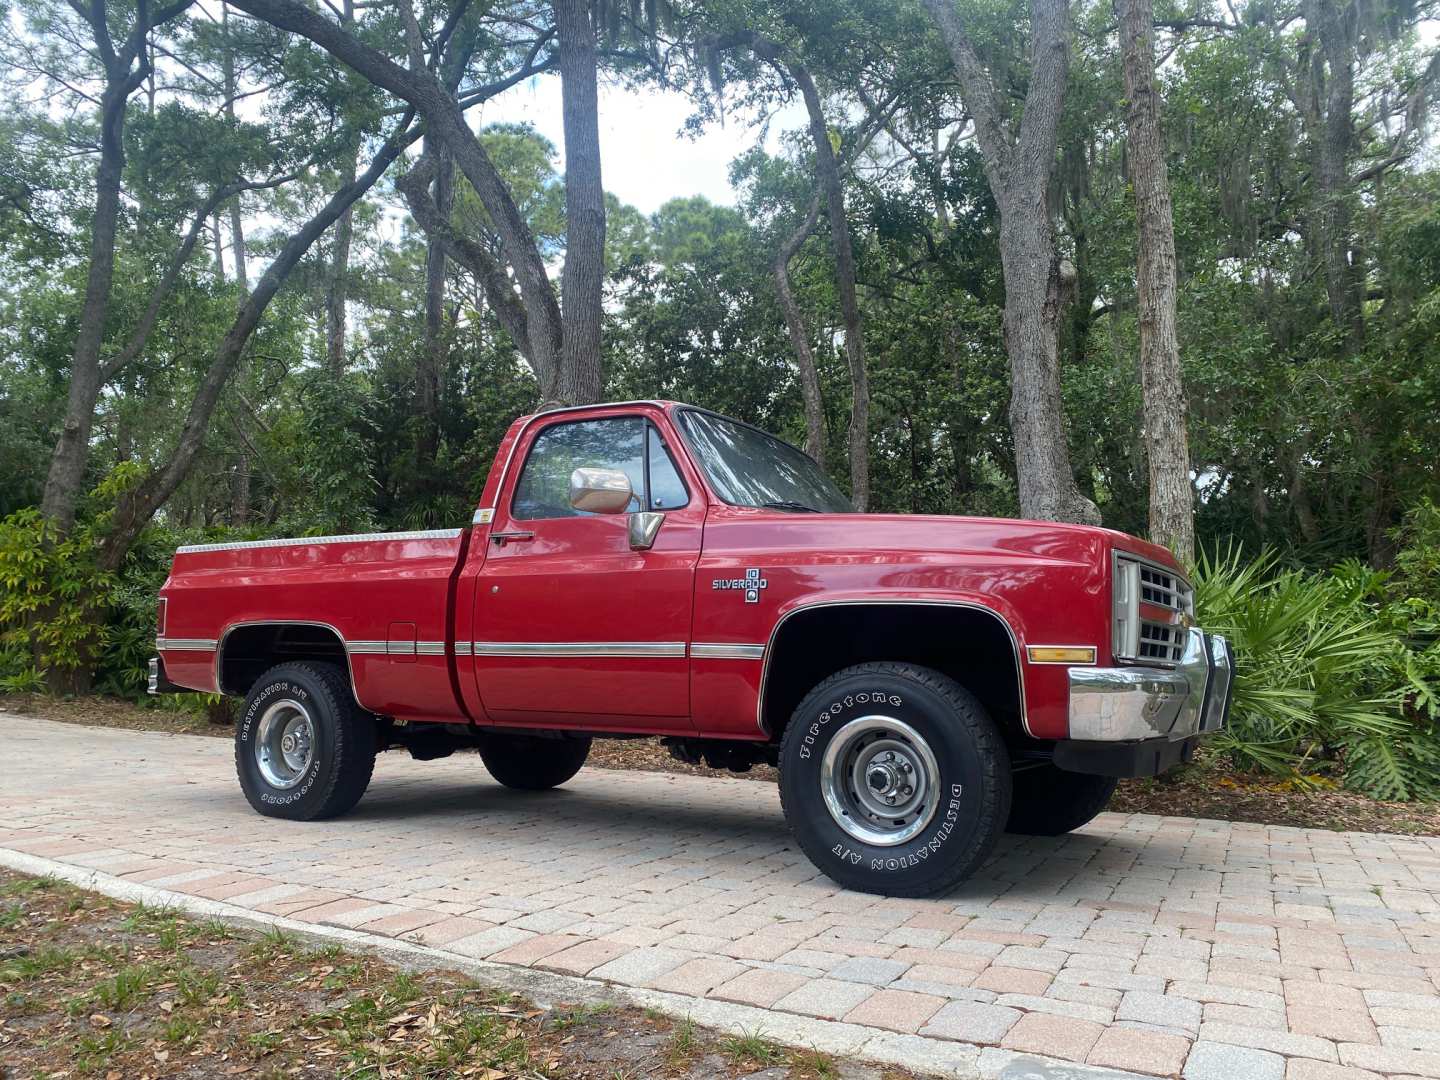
column 125, row 72
column 1332, row 86
column 1172, row 514
column 799, row 336
column 217, row 245
column 237, row 211
column 1019, row 165
column 432, row 356
column 240, row 490
column 582, row 281
column 827, row 172
column 488, row 273
column 138, row 505
column 445, row 118
column 335, row 297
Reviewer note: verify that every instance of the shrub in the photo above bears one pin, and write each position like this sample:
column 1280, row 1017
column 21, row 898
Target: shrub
column 1330, row 674
column 53, row 598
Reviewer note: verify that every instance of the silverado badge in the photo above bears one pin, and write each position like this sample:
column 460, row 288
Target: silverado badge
column 752, row 583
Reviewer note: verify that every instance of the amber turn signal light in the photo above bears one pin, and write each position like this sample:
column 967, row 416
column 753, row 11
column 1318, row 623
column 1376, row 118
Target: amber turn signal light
column 1061, row 654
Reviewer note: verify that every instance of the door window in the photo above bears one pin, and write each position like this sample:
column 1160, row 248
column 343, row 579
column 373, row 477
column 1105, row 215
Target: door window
column 544, row 487
column 627, row 444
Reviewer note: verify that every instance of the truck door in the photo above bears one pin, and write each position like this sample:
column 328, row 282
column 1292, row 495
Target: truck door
column 569, row 619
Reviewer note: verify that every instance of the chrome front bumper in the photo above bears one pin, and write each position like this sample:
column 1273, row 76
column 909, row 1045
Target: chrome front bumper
column 1127, row 704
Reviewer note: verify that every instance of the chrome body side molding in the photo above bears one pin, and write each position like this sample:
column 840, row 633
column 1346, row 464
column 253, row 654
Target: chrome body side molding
column 578, row 648
column 708, row 651
column 175, row 644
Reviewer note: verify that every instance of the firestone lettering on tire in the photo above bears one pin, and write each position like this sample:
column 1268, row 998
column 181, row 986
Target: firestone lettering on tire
column 877, row 697
column 296, row 795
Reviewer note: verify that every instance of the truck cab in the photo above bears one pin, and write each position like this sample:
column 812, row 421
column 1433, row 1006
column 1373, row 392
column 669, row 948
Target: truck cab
column 651, row 568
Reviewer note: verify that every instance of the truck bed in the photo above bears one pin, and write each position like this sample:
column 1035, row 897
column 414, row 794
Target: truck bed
column 384, row 599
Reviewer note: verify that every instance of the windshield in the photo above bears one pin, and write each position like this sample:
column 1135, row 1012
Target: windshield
column 749, row 468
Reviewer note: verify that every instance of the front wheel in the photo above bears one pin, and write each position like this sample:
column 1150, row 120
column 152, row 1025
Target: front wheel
column 303, row 748
column 533, row 763
column 894, row 779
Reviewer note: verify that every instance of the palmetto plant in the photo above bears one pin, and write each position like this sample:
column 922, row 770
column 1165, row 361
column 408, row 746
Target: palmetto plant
column 1323, row 678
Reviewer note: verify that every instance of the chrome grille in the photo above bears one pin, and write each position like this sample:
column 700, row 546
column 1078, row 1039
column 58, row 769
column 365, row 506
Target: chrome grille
column 1160, row 587
column 1160, row 642
column 1149, row 640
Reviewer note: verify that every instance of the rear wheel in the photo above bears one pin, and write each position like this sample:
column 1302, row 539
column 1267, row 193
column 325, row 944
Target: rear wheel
column 303, row 748
column 894, row 779
column 1050, row 801
column 531, row 763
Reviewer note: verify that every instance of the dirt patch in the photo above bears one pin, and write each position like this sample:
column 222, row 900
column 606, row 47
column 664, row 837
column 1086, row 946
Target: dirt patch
column 95, row 987
column 1206, row 789
column 178, row 714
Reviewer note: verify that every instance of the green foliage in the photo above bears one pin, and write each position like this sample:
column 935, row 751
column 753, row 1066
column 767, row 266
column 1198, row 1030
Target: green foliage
column 1330, row 675
column 52, row 599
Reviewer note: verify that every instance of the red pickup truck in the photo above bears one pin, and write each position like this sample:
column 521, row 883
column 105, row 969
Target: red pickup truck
column 654, row 569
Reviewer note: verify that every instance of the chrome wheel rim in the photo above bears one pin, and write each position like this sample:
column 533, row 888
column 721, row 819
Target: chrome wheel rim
column 285, row 743
column 880, row 780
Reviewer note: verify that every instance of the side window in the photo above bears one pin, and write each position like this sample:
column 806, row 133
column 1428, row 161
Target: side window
column 544, row 487
column 667, row 490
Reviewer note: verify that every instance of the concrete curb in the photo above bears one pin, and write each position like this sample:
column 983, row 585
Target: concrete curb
column 964, row 1061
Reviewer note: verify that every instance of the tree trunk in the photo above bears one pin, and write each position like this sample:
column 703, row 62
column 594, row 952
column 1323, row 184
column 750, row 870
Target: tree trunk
column 582, row 281
column 1300, row 497
column 1034, row 299
column 1018, row 166
column 240, row 491
column 445, row 118
column 339, row 277
column 340, row 251
column 237, row 244
column 218, row 246
column 237, row 211
column 66, row 477
column 431, row 361
column 1332, row 84
column 800, row 337
column 827, row 172
column 138, row 505
column 1172, row 514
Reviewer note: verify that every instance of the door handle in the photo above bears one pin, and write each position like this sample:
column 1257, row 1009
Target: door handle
column 502, row 538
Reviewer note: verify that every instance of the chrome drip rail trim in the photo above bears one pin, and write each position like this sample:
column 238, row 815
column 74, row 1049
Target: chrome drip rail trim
column 297, row 541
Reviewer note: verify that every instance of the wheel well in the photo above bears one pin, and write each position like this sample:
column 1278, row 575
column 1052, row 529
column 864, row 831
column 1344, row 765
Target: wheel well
column 247, row 652
column 971, row 645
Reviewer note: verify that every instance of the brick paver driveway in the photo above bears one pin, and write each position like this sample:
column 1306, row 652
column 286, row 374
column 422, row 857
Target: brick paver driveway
column 1154, row 945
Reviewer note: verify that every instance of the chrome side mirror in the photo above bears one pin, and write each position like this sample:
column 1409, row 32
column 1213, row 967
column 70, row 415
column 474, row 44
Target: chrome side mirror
column 644, row 527
column 600, row 491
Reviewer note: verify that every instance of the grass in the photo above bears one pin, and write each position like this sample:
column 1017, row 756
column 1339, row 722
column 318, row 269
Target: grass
column 92, row 987
column 749, row 1048
column 684, row 1041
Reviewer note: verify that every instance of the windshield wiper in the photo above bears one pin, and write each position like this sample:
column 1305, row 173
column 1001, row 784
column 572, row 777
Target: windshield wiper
column 792, row 506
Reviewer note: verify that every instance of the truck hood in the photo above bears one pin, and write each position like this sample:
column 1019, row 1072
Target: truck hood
column 843, row 536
